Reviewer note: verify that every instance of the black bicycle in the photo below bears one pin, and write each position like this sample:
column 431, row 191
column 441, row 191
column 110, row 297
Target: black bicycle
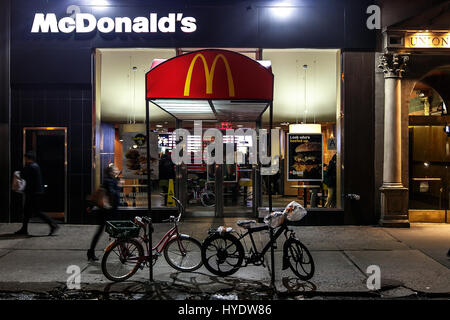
column 223, row 253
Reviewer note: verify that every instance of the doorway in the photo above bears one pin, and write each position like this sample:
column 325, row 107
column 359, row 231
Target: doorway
column 50, row 147
column 429, row 154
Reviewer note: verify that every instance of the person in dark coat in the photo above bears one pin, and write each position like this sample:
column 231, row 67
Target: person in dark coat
column 112, row 190
column 166, row 172
column 31, row 173
column 330, row 181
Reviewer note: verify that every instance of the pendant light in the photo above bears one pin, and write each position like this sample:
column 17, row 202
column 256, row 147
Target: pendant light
column 304, row 127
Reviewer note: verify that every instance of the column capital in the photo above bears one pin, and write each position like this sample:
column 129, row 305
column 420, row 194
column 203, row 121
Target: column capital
column 393, row 64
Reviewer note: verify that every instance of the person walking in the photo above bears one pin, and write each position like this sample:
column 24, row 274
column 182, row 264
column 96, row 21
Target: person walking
column 31, row 173
column 112, row 192
column 166, row 172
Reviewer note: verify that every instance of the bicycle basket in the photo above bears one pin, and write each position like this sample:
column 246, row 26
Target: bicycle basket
column 122, row 229
column 275, row 219
column 294, row 211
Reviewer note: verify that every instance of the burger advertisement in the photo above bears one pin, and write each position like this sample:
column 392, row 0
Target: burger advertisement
column 135, row 156
column 305, row 155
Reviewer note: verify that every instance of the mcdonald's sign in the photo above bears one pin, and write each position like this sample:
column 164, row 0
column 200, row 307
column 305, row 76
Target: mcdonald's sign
column 210, row 74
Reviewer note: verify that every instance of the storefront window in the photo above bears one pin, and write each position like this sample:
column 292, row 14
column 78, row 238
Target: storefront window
column 121, row 130
column 306, row 101
column 306, row 94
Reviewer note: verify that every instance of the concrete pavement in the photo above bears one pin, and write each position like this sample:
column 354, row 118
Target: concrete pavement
column 412, row 261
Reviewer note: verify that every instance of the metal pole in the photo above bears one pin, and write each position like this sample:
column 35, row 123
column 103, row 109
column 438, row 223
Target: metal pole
column 270, row 153
column 272, row 250
column 149, row 190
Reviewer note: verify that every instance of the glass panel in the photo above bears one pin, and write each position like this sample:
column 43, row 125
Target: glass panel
column 306, row 95
column 50, row 147
column 425, row 101
column 429, row 161
column 121, row 131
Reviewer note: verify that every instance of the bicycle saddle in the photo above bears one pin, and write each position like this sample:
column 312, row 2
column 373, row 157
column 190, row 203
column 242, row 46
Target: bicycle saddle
column 245, row 223
column 139, row 222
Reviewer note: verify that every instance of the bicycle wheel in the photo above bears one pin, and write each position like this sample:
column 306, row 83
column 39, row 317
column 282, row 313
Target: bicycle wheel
column 300, row 260
column 222, row 254
column 208, row 199
column 184, row 254
column 122, row 259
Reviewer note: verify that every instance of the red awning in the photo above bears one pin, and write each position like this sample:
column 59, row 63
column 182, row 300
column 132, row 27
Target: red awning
column 210, row 74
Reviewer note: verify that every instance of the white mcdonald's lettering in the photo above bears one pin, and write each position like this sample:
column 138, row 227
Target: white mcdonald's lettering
column 209, row 74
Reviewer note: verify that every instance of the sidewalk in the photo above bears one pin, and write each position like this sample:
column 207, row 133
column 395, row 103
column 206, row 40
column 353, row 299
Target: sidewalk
column 412, row 261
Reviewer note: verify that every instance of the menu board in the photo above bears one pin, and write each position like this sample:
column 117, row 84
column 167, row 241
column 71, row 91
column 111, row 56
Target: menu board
column 305, row 157
column 135, row 155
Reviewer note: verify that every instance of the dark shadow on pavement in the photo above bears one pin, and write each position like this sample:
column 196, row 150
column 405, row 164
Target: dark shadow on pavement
column 12, row 236
column 192, row 284
column 295, row 285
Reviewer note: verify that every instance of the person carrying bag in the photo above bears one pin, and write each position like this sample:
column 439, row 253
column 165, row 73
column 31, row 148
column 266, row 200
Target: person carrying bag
column 105, row 201
column 18, row 184
column 29, row 182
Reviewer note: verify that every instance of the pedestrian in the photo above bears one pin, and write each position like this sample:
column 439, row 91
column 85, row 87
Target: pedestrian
column 330, row 181
column 33, row 192
column 166, row 172
column 112, row 193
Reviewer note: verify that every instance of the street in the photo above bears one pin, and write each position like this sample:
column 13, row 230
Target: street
column 412, row 262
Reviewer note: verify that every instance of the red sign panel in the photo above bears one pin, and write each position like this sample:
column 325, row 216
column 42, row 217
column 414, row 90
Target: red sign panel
column 210, row 74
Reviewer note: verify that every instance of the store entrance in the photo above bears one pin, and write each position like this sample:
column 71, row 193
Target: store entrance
column 236, row 184
column 237, row 178
column 50, row 146
column 214, row 102
column 429, row 155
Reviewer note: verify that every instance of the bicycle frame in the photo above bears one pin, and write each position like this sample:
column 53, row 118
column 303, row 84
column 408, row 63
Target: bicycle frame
column 159, row 247
column 283, row 229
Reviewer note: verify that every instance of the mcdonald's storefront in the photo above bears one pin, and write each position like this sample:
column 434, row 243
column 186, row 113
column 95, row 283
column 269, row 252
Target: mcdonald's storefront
column 79, row 96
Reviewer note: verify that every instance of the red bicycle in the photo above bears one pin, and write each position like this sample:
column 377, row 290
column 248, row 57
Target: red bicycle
column 125, row 255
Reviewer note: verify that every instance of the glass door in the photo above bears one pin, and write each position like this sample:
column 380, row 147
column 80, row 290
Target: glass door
column 50, row 146
column 429, row 160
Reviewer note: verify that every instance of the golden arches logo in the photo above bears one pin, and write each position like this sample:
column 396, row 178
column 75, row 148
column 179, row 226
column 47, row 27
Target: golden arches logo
column 209, row 74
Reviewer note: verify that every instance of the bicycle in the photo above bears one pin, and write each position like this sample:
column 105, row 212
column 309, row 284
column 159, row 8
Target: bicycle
column 126, row 254
column 223, row 253
column 206, row 196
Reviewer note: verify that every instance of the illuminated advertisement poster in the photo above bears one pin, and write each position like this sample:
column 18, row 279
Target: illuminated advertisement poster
column 135, row 156
column 305, row 157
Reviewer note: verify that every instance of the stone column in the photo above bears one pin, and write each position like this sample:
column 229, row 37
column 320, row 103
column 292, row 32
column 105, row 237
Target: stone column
column 394, row 196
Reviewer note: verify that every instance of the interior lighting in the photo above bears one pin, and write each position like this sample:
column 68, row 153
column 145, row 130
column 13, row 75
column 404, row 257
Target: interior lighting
column 305, row 128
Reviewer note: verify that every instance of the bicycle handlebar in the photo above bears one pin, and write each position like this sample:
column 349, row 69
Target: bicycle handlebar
column 180, row 208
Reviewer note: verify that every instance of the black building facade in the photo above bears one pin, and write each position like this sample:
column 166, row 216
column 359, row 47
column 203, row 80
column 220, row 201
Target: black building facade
column 48, row 79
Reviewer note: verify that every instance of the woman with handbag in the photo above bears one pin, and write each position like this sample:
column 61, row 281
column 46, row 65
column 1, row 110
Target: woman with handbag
column 106, row 200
